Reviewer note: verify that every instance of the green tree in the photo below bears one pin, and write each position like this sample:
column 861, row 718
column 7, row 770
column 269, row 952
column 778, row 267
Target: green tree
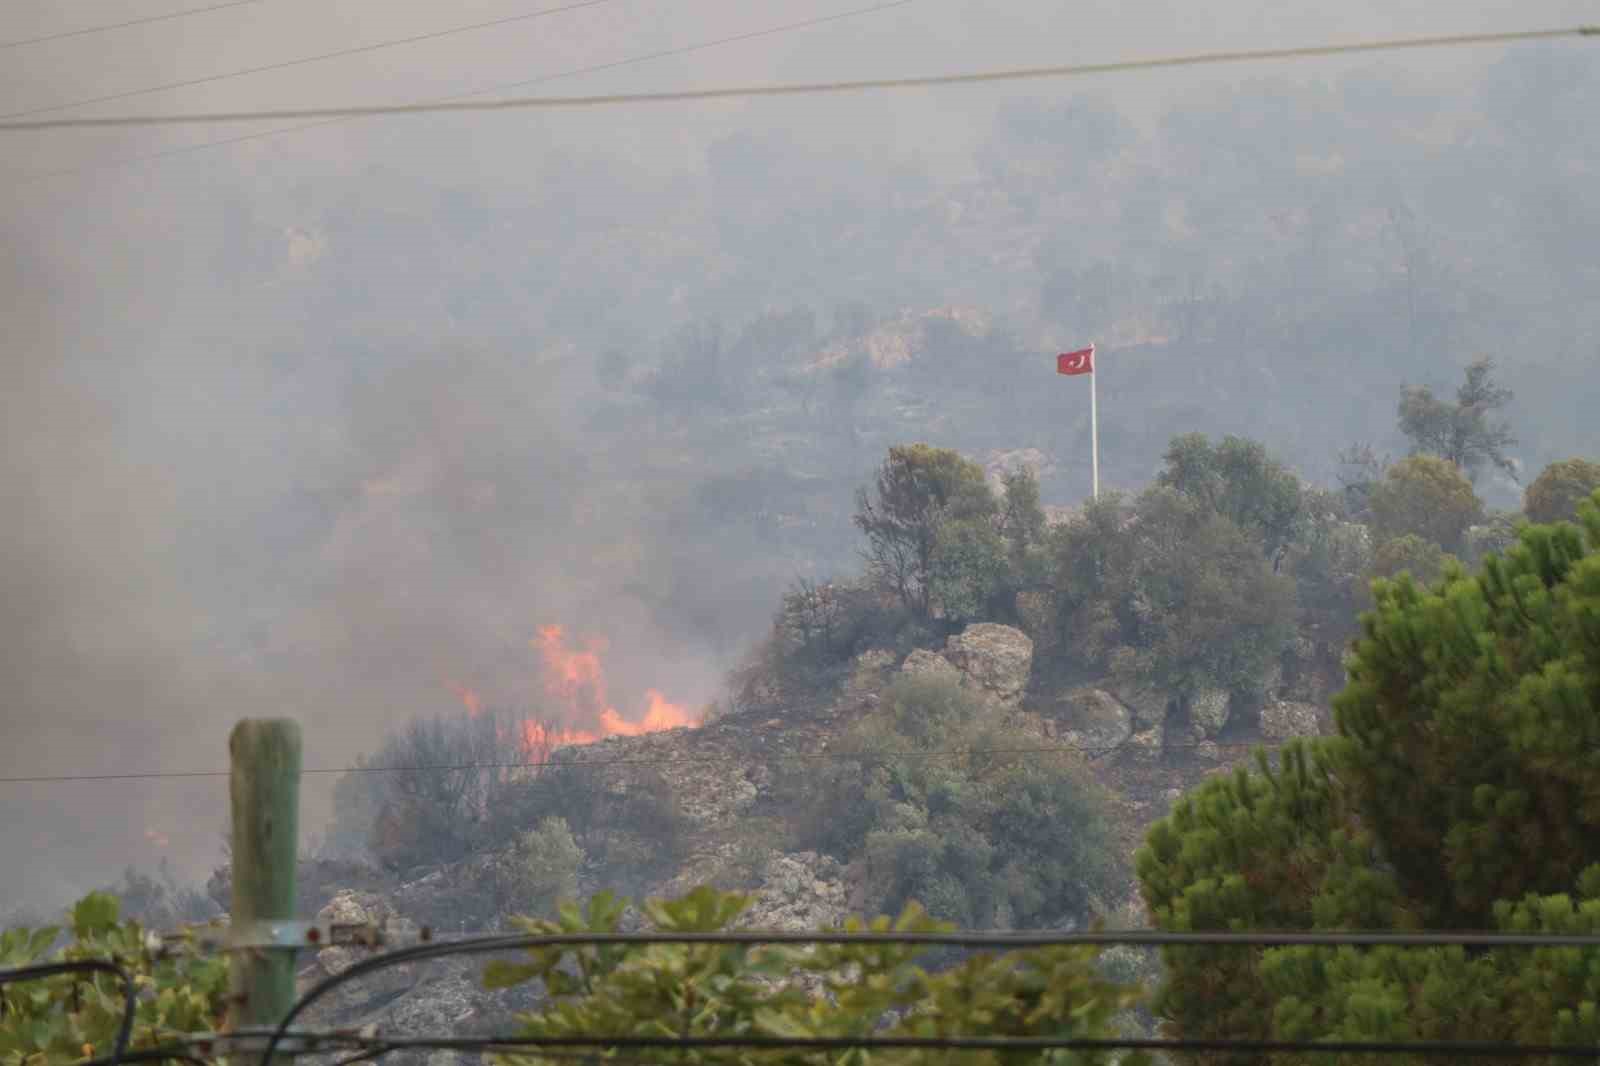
column 1167, row 593
column 1457, row 794
column 1555, row 494
column 917, row 488
column 967, row 570
column 76, row 1016
column 1462, row 433
column 1237, row 479
column 1411, row 554
column 1425, row 496
column 872, row 990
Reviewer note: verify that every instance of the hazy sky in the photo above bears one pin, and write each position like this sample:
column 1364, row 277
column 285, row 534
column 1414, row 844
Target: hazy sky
column 142, row 612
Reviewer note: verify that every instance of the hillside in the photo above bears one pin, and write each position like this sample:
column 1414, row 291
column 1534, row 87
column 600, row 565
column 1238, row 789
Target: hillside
column 731, row 818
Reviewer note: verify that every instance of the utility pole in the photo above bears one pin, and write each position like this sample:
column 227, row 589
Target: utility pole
column 264, row 786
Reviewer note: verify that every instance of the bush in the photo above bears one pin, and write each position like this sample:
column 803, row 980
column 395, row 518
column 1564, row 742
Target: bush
column 975, row 835
column 66, row 1018
column 704, row 990
column 543, row 869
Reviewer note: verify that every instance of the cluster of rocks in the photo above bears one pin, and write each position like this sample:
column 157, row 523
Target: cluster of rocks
column 993, row 660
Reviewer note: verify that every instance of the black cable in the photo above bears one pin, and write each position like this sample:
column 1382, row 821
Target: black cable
column 28, row 178
column 1001, row 1043
column 284, row 65
column 1044, row 749
column 124, row 25
column 490, row 944
column 119, row 1049
column 799, row 89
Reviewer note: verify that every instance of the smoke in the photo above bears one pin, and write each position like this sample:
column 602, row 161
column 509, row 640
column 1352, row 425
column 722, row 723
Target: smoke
column 323, row 425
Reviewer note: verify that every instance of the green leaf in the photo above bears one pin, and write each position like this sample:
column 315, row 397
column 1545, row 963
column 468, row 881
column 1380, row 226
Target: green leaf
column 94, row 915
column 502, row 974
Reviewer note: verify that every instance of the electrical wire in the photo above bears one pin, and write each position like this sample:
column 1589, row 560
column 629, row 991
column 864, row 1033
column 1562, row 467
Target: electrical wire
column 127, row 161
column 124, row 25
column 40, row 971
column 1049, row 749
column 288, row 63
column 804, row 88
column 494, row 944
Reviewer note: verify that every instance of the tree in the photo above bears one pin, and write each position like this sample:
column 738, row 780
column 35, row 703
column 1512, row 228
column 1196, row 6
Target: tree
column 1461, row 433
column 917, row 488
column 967, row 569
column 1411, row 554
column 1425, row 496
column 706, row 990
column 1457, row 794
column 1167, row 593
column 1237, row 479
column 1555, row 494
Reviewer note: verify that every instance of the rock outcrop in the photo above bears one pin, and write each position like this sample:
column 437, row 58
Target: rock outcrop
column 1093, row 718
column 1282, row 720
column 996, row 659
column 924, row 663
column 1208, row 712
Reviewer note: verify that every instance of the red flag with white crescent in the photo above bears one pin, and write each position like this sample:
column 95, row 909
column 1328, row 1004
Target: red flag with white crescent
column 1078, row 362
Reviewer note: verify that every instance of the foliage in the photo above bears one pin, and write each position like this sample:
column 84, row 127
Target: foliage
column 1555, row 494
column 1166, row 592
column 626, row 822
column 1410, row 554
column 72, row 1017
column 1461, row 433
column 1426, row 496
column 1457, row 794
column 917, row 488
column 160, row 900
column 1237, row 479
column 708, row 990
column 544, row 868
column 986, row 839
column 967, row 569
column 1329, row 561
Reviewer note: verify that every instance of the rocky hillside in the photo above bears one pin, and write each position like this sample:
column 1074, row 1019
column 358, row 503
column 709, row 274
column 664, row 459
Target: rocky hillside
column 722, row 778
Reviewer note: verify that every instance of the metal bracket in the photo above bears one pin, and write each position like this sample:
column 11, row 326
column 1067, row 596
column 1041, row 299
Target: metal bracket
column 289, row 935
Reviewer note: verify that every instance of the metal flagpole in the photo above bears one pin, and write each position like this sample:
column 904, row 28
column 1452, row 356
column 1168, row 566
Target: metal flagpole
column 1094, row 421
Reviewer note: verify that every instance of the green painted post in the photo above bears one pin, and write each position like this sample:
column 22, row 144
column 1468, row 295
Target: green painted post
column 264, row 786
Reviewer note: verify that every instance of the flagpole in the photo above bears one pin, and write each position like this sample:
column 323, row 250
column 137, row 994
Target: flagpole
column 1094, row 421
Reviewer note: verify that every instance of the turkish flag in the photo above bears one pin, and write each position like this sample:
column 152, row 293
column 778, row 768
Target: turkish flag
column 1078, row 362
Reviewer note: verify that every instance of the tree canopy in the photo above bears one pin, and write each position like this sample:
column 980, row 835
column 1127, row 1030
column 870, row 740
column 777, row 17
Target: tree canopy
column 1458, row 793
column 1463, row 433
column 1555, row 494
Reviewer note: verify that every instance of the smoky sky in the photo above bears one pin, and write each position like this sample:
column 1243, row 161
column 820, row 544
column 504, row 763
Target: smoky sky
column 324, row 424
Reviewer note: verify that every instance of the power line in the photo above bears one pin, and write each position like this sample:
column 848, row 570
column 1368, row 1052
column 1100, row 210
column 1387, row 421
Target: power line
column 286, row 64
column 807, row 88
column 496, row 944
column 1059, row 749
column 500, row 87
column 124, row 25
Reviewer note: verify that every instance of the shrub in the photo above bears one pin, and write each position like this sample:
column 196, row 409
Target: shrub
column 952, row 821
column 73, row 1016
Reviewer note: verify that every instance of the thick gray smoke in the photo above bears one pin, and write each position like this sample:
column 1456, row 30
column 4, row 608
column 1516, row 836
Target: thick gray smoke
column 327, row 424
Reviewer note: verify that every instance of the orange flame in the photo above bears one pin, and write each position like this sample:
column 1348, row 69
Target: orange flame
column 577, row 679
column 469, row 699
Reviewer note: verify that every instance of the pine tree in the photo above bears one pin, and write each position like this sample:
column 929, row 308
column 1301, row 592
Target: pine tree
column 1462, row 791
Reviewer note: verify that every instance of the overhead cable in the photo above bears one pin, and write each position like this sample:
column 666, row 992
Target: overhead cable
column 799, row 756
column 595, row 68
column 124, row 25
column 803, row 88
column 286, row 64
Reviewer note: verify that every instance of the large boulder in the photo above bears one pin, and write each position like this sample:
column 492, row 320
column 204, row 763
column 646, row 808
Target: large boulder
column 1147, row 705
column 996, row 659
column 1208, row 711
column 1283, row 720
column 1093, row 718
column 924, row 663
